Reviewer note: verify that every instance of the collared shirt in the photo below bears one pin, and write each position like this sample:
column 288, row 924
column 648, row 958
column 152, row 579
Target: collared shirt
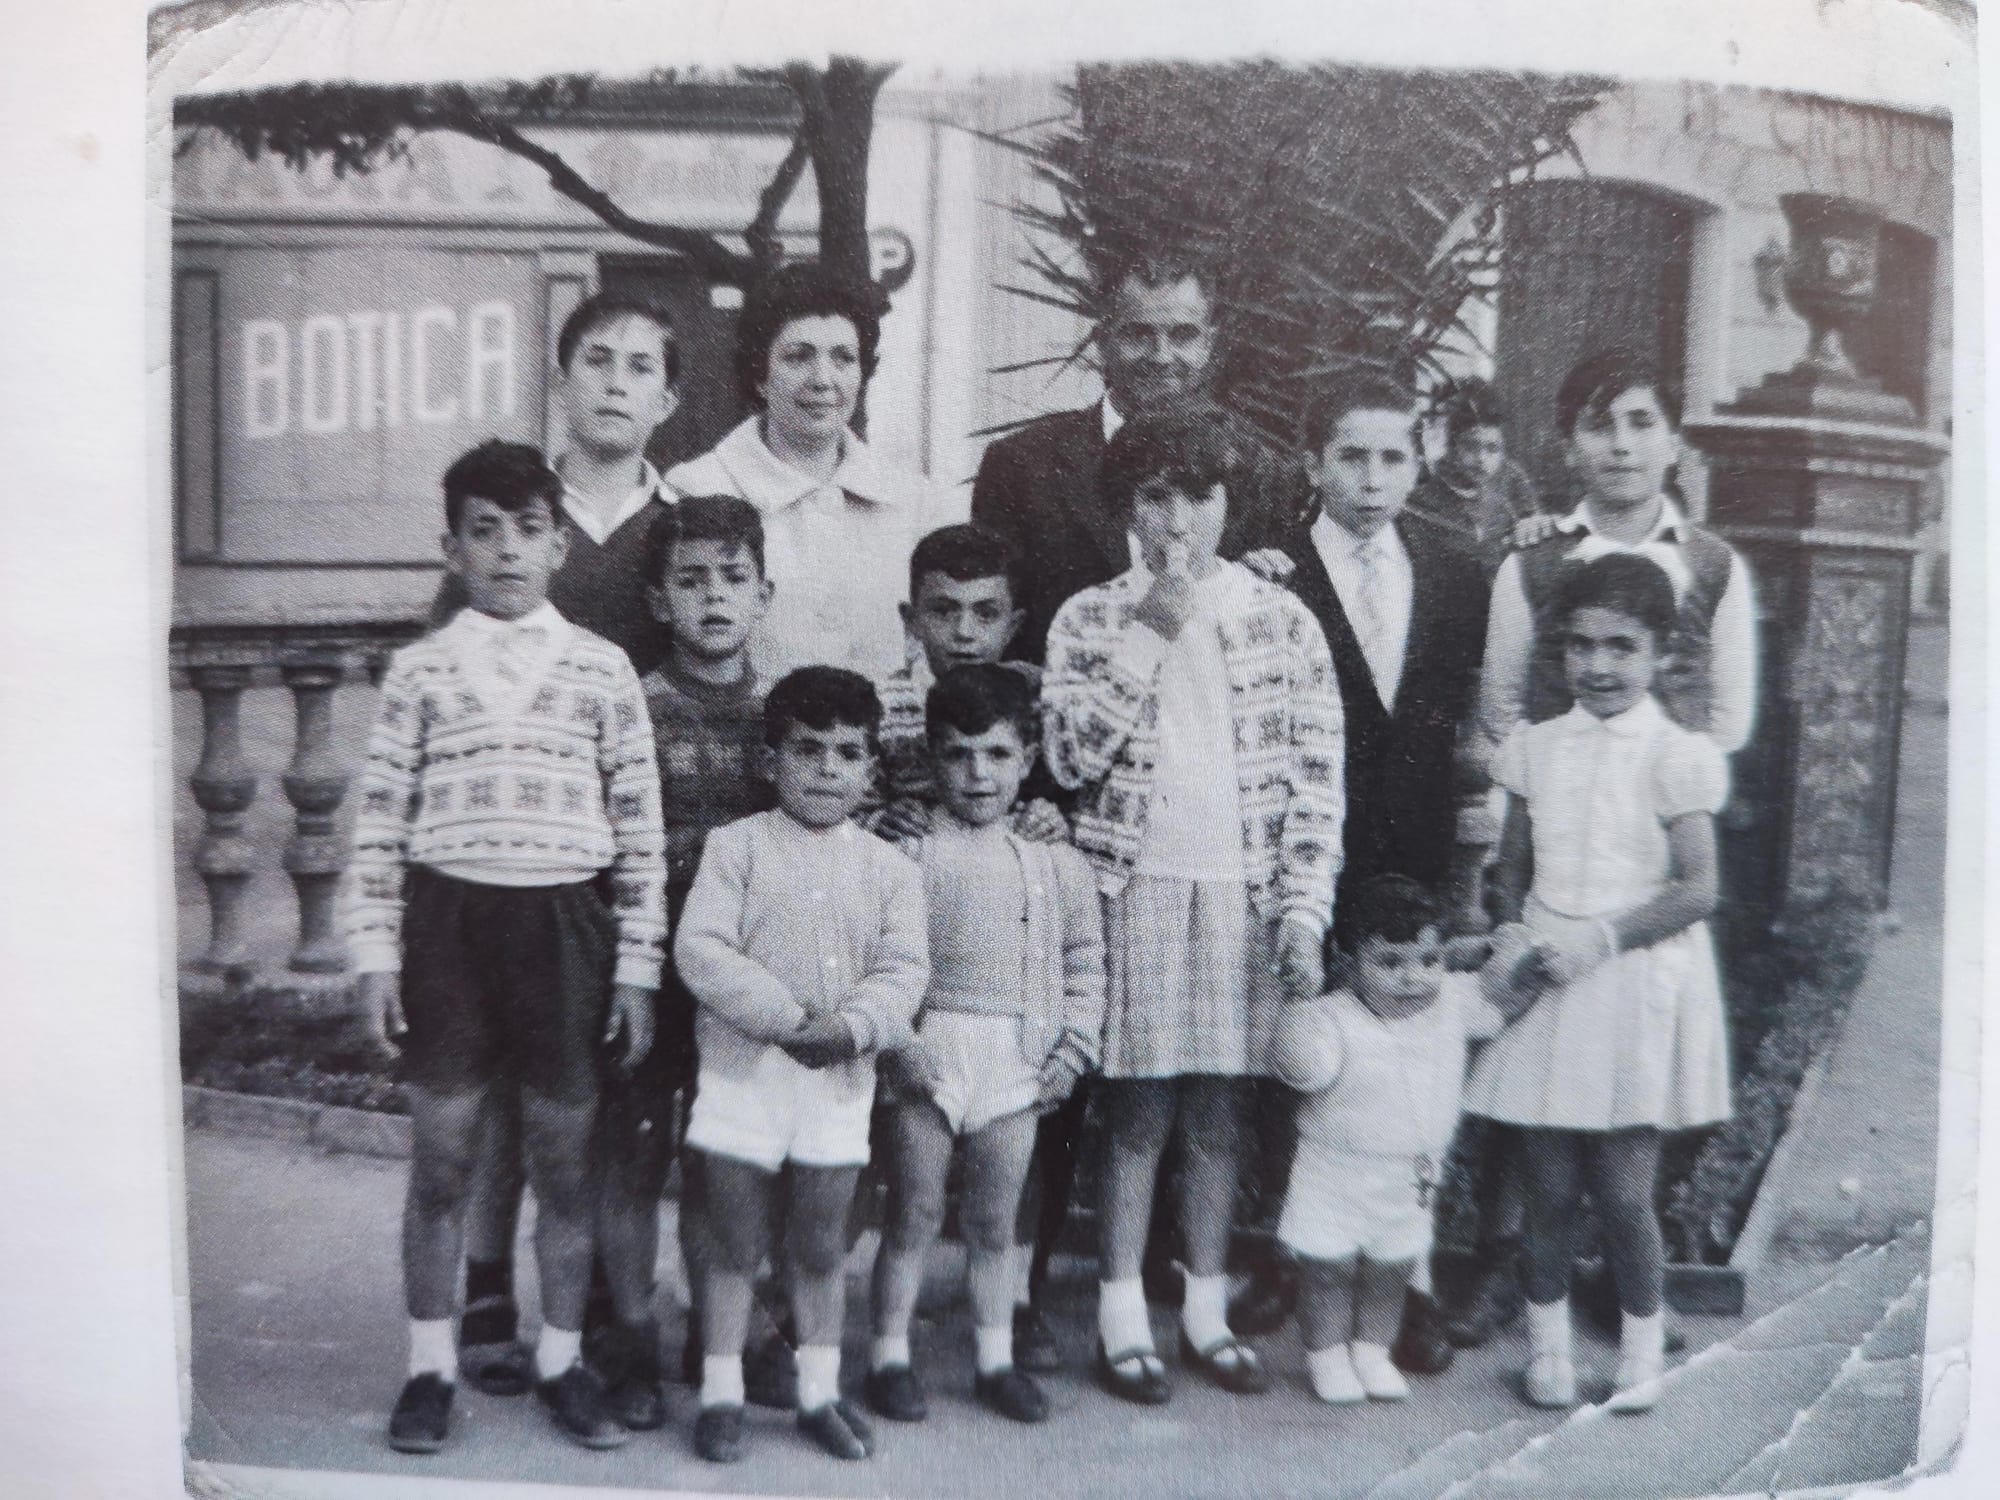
column 595, row 525
column 1340, row 550
column 1600, row 793
column 506, row 658
column 837, row 550
column 1113, row 418
column 1510, row 630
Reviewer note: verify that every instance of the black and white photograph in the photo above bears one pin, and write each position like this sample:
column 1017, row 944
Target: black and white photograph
column 1155, row 764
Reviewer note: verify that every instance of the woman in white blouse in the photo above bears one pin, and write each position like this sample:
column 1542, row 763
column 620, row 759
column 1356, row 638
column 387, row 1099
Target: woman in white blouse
column 839, row 524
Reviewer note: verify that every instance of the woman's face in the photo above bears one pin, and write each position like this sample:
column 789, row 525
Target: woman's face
column 1621, row 451
column 812, row 380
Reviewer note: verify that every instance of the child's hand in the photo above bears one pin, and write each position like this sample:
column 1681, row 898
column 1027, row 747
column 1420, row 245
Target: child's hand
column 1578, row 950
column 631, row 1018
column 821, row 1042
column 1301, row 962
column 1060, row 1076
column 1169, row 604
column 1039, row 823
column 1532, row 529
column 380, row 998
column 1272, row 564
column 903, row 820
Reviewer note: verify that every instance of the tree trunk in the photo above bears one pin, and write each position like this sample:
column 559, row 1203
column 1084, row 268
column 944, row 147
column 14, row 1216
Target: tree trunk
column 840, row 121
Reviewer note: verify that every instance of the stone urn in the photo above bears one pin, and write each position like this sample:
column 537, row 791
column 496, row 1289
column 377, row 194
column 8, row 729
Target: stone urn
column 1830, row 272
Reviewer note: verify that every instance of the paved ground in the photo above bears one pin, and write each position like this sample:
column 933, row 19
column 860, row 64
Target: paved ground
column 297, row 1337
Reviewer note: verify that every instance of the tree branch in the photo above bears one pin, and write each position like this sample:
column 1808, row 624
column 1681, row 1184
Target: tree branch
column 709, row 254
column 766, row 250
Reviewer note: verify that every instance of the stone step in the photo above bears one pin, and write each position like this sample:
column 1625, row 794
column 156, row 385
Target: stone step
column 1842, row 1355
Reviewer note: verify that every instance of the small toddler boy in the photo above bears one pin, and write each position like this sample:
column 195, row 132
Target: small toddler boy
column 803, row 943
column 1011, row 1021
column 1382, row 1067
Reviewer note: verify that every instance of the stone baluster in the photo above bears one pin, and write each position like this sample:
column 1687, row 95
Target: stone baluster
column 223, row 789
column 315, row 785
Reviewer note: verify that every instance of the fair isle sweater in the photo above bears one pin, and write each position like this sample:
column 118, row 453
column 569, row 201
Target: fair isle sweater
column 1101, row 732
column 549, row 785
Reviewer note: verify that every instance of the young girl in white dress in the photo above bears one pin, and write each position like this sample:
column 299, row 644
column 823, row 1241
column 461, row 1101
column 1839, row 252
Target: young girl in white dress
column 1608, row 856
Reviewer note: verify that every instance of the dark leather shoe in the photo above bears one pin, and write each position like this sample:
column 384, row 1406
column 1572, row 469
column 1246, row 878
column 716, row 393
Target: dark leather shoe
column 1035, row 1348
column 628, row 1361
column 771, row 1374
column 718, row 1434
column 1266, row 1304
column 1229, row 1363
column 1421, row 1346
column 1013, row 1395
column 838, row 1429
column 490, row 1354
column 422, row 1418
column 575, row 1400
column 1145, row 1386
column 895, row 1392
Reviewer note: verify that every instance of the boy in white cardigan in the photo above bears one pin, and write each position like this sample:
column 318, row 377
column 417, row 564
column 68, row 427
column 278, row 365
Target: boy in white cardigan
column 803, row 943
column 1381, row 1063
column 1010, row 1022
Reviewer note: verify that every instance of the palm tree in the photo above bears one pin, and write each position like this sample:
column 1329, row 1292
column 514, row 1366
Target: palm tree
column 1349, row 212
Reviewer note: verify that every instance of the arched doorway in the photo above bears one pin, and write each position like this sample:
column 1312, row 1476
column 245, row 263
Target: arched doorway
column 1584, row 265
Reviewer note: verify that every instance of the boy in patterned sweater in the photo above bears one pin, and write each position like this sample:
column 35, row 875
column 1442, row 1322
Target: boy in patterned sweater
column 705, row 560
column 507, row 917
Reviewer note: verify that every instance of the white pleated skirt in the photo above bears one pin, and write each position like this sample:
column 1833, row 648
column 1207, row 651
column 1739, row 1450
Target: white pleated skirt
column 1642, row 1041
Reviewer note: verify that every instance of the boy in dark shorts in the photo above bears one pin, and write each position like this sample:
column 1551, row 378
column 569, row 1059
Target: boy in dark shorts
column 508, row 920
column 706, row 560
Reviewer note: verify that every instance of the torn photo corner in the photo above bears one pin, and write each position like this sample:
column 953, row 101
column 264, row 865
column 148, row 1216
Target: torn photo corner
column 1457, row 465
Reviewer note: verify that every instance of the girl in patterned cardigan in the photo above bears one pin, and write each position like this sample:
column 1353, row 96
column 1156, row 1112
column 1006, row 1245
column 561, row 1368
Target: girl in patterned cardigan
column 1193, row 706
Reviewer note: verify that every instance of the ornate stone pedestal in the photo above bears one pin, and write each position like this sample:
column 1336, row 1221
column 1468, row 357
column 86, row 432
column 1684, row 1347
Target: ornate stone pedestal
column 1816, row 476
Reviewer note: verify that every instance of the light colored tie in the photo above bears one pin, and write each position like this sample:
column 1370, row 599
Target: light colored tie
column 1368, row 622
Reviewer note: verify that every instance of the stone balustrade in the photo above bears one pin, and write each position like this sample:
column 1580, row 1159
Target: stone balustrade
column 220, row 663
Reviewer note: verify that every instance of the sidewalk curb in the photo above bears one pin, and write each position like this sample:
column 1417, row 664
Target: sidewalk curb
column 1767, row 1208
column 331, row 1127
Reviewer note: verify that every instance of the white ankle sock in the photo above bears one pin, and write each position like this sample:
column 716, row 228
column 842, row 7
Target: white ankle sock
column 432, row 1349
column 1548, row 1329
column 1024, row 1267
column 1121, row 1316
column 556, row 1350
column 722, row 1380
column 1333, row 1377
column 819, row 1375
column 888, row 1353
column 1205, row 1310
column 1643, row 1341
column 995, row 1348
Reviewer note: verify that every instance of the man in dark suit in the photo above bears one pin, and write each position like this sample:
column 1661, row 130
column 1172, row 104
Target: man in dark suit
column 1404, row 612
column 1038, row 486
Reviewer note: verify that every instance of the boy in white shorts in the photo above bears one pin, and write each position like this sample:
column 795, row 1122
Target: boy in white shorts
column 1011, row 1020
column 1382, row 1066
column 803, row 943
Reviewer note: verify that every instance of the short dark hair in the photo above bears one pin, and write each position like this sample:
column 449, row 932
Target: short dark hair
column 822, row 698
column 1470, row 404
column 1596, row 381
column 1394, row 908
column 963, row 553
column 1191, row 446
column 703, row 518
column 594, row 312
column 512, row 475
column 804, row 289
column 972, row 699
column 1623, row 581
column 1158, row 267
column 1362, row 391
